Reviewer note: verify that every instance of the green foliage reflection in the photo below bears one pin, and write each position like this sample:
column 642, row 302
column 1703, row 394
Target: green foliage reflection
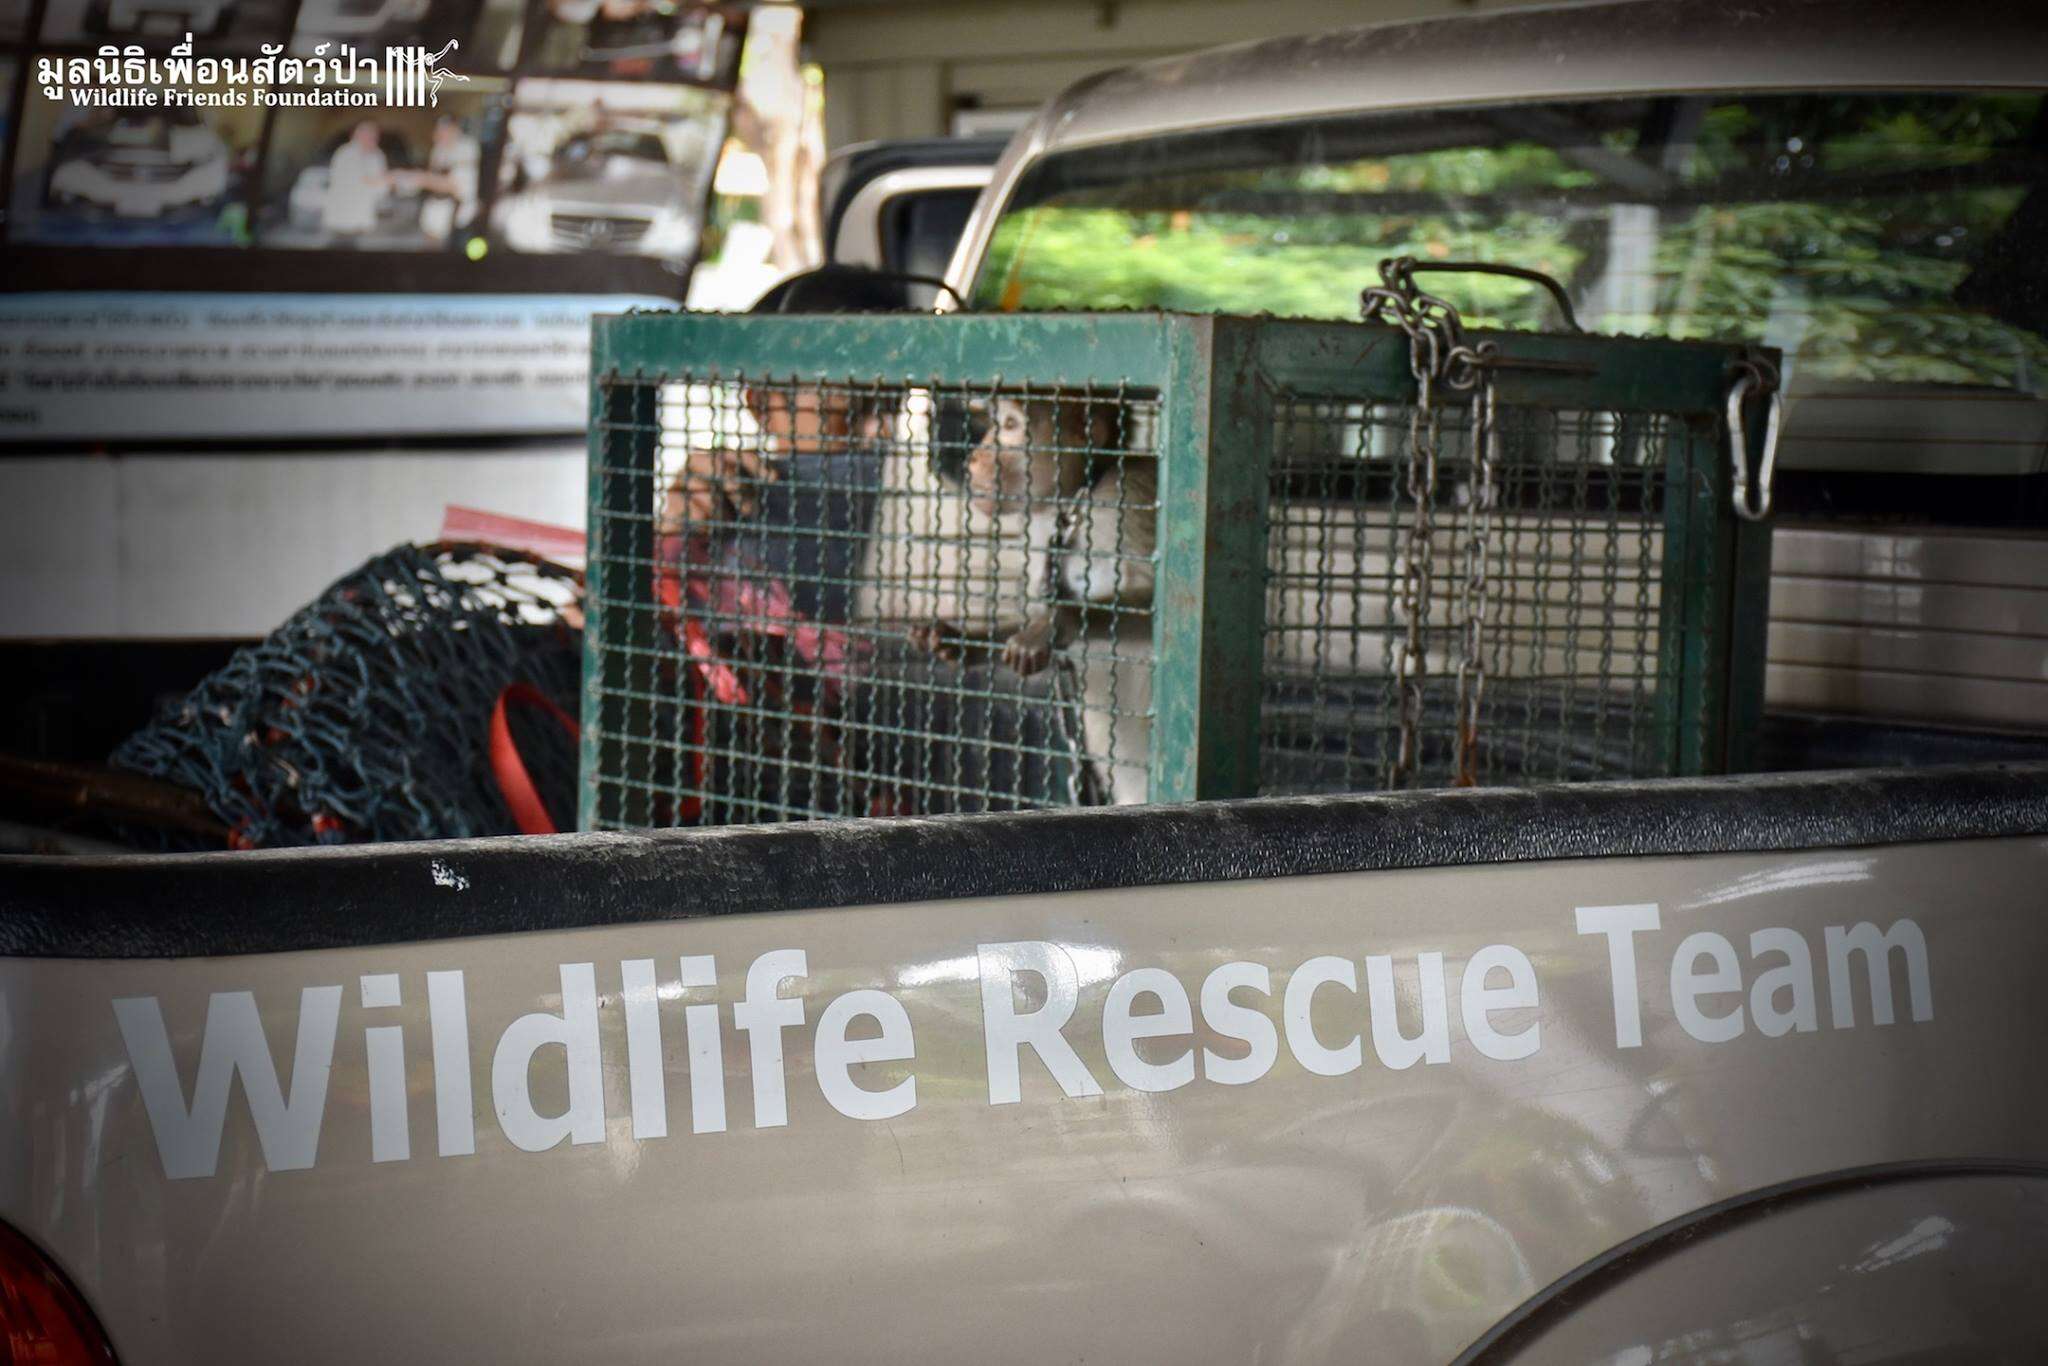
column 1841, row 228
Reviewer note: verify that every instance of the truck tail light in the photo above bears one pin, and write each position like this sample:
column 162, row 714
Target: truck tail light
column 43, row 1322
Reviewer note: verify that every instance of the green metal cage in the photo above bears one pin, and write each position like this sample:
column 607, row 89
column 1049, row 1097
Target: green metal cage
column 903, row 565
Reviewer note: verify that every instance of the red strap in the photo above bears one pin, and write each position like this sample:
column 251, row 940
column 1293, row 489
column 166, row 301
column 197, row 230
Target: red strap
column 515, row 784
column 539, row 538
column 724, row 683
column 706, row 673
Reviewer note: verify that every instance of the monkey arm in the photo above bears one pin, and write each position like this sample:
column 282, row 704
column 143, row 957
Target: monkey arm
column 1053, row 627
column 1094, row 559
column 1026, row 648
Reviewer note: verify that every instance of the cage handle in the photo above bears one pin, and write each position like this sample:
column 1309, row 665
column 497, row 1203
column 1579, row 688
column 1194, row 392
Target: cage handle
column 1753, row 376
column 1534, row 277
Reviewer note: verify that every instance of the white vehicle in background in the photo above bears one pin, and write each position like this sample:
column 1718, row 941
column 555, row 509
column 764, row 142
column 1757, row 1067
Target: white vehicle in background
column 147, row 165
column 613, row 190
column 324, row 19
column 198, row 17
column 697, row 45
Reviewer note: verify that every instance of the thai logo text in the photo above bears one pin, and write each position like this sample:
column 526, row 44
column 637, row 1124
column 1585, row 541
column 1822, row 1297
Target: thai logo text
column 128, row 77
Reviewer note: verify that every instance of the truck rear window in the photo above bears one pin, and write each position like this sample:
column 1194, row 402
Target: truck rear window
column 1897, row 238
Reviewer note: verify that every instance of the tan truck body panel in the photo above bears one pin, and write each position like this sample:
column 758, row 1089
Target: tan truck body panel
column 1275, row 1221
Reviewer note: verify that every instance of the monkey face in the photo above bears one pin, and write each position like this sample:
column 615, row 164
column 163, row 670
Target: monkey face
column 1015, row 464
column 801, row 419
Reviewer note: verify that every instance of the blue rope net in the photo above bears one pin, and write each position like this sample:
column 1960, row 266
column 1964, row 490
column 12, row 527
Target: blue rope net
column 366, row 716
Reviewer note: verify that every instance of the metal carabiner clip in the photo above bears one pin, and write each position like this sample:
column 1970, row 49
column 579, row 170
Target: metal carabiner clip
column 1753, row 376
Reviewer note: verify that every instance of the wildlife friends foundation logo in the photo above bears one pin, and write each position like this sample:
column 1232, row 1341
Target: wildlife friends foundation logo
column 413, row 76
column 408, row 77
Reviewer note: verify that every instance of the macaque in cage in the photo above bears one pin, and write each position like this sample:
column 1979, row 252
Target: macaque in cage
column 1059, row 479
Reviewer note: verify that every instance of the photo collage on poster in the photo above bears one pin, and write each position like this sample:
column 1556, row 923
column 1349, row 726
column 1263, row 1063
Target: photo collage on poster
column 556, row 126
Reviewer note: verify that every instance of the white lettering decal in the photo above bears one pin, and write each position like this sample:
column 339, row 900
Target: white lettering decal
column 1688, row 984
column 1005, row 1031
column 1621, row 924
column 1121, row 1030
column 1433, row 1044
column 764, row 1014
column 643, row 1048
column 574, row 1031
column 835, row 1055
column 1030, row 994
column 384, row 1046
column 1296, row 1007
column 1796, row 976
column 1477, row 1001
column 448, row 1022
column 707, row 1050
column 188, row 1139
column 1903, row 937
column 1234, row 1021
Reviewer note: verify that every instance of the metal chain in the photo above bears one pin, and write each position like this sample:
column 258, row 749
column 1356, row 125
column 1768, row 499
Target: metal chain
column 1478, row 541
column 1087, row 785
column 1440, row 358
column 1411, row 664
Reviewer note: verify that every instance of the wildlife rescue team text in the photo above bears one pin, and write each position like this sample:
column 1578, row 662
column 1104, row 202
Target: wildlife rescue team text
column 863, row 1050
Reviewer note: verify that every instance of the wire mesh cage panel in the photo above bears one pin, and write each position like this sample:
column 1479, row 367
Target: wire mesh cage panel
column 1547, row 571
column 873, row 597
column 862, row 566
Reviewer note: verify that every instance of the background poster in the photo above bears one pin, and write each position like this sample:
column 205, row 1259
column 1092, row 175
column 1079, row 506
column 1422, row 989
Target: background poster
column 294, row 366
column 115, row 178
column 265, row 260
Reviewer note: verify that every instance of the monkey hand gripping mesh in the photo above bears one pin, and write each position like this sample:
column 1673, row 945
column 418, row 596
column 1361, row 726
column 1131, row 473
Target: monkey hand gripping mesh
column 367, row 715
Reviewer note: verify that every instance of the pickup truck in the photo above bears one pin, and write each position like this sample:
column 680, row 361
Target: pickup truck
column 1702, row 1070
column 1685, row 176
